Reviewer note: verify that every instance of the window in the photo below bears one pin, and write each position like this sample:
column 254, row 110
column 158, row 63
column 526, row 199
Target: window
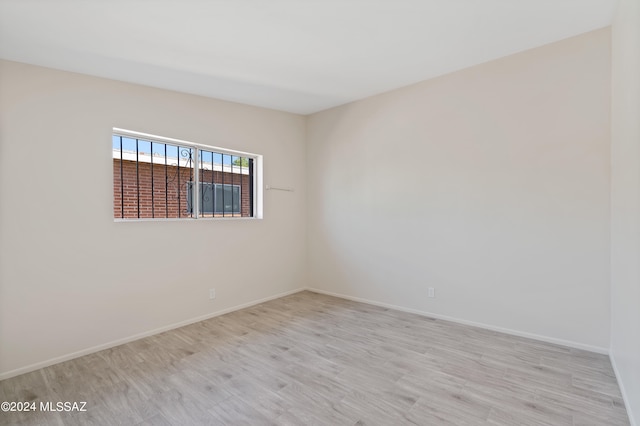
column 155, row 177
column 226, row 199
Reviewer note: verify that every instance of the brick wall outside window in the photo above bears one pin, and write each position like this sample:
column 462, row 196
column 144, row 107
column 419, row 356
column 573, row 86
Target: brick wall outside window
column 170, row 200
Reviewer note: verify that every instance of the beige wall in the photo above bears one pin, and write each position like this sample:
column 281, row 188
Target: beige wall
column 490, row 185
column 72, row 279
column 625, row 203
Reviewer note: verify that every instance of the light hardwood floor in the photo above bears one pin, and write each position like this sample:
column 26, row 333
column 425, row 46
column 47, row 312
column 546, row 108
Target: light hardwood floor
column 310, row 359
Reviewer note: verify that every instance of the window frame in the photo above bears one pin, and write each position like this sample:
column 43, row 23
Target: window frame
column 257, row 184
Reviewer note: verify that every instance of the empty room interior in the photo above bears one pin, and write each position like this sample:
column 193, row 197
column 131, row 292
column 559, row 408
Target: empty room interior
column 320, row 213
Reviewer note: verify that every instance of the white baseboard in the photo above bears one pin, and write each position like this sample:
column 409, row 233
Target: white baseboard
column 625, row 398
column 533, row 336
column 93, row 349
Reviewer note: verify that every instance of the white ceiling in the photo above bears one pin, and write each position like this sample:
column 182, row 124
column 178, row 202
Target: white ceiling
column 300, row 56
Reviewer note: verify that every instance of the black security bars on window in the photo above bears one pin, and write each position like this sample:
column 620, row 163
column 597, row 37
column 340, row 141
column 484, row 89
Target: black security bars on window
column 153, row 210
column 137, row 179
column 233, row 186
column 250, row 162
column 178, row 175
column 222, row 181
column 121, row 183
column 201, row 180
column 224, row 204
column 233, row 193
column 213, row 188
column 166, row 184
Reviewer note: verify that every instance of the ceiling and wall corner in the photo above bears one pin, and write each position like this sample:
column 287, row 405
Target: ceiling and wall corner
column 294, row 56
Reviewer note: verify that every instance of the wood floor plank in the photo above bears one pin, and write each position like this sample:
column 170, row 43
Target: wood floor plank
column 312, row 359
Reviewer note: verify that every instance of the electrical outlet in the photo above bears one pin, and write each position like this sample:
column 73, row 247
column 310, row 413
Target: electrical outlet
column 212, row 293
column 432, row 292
